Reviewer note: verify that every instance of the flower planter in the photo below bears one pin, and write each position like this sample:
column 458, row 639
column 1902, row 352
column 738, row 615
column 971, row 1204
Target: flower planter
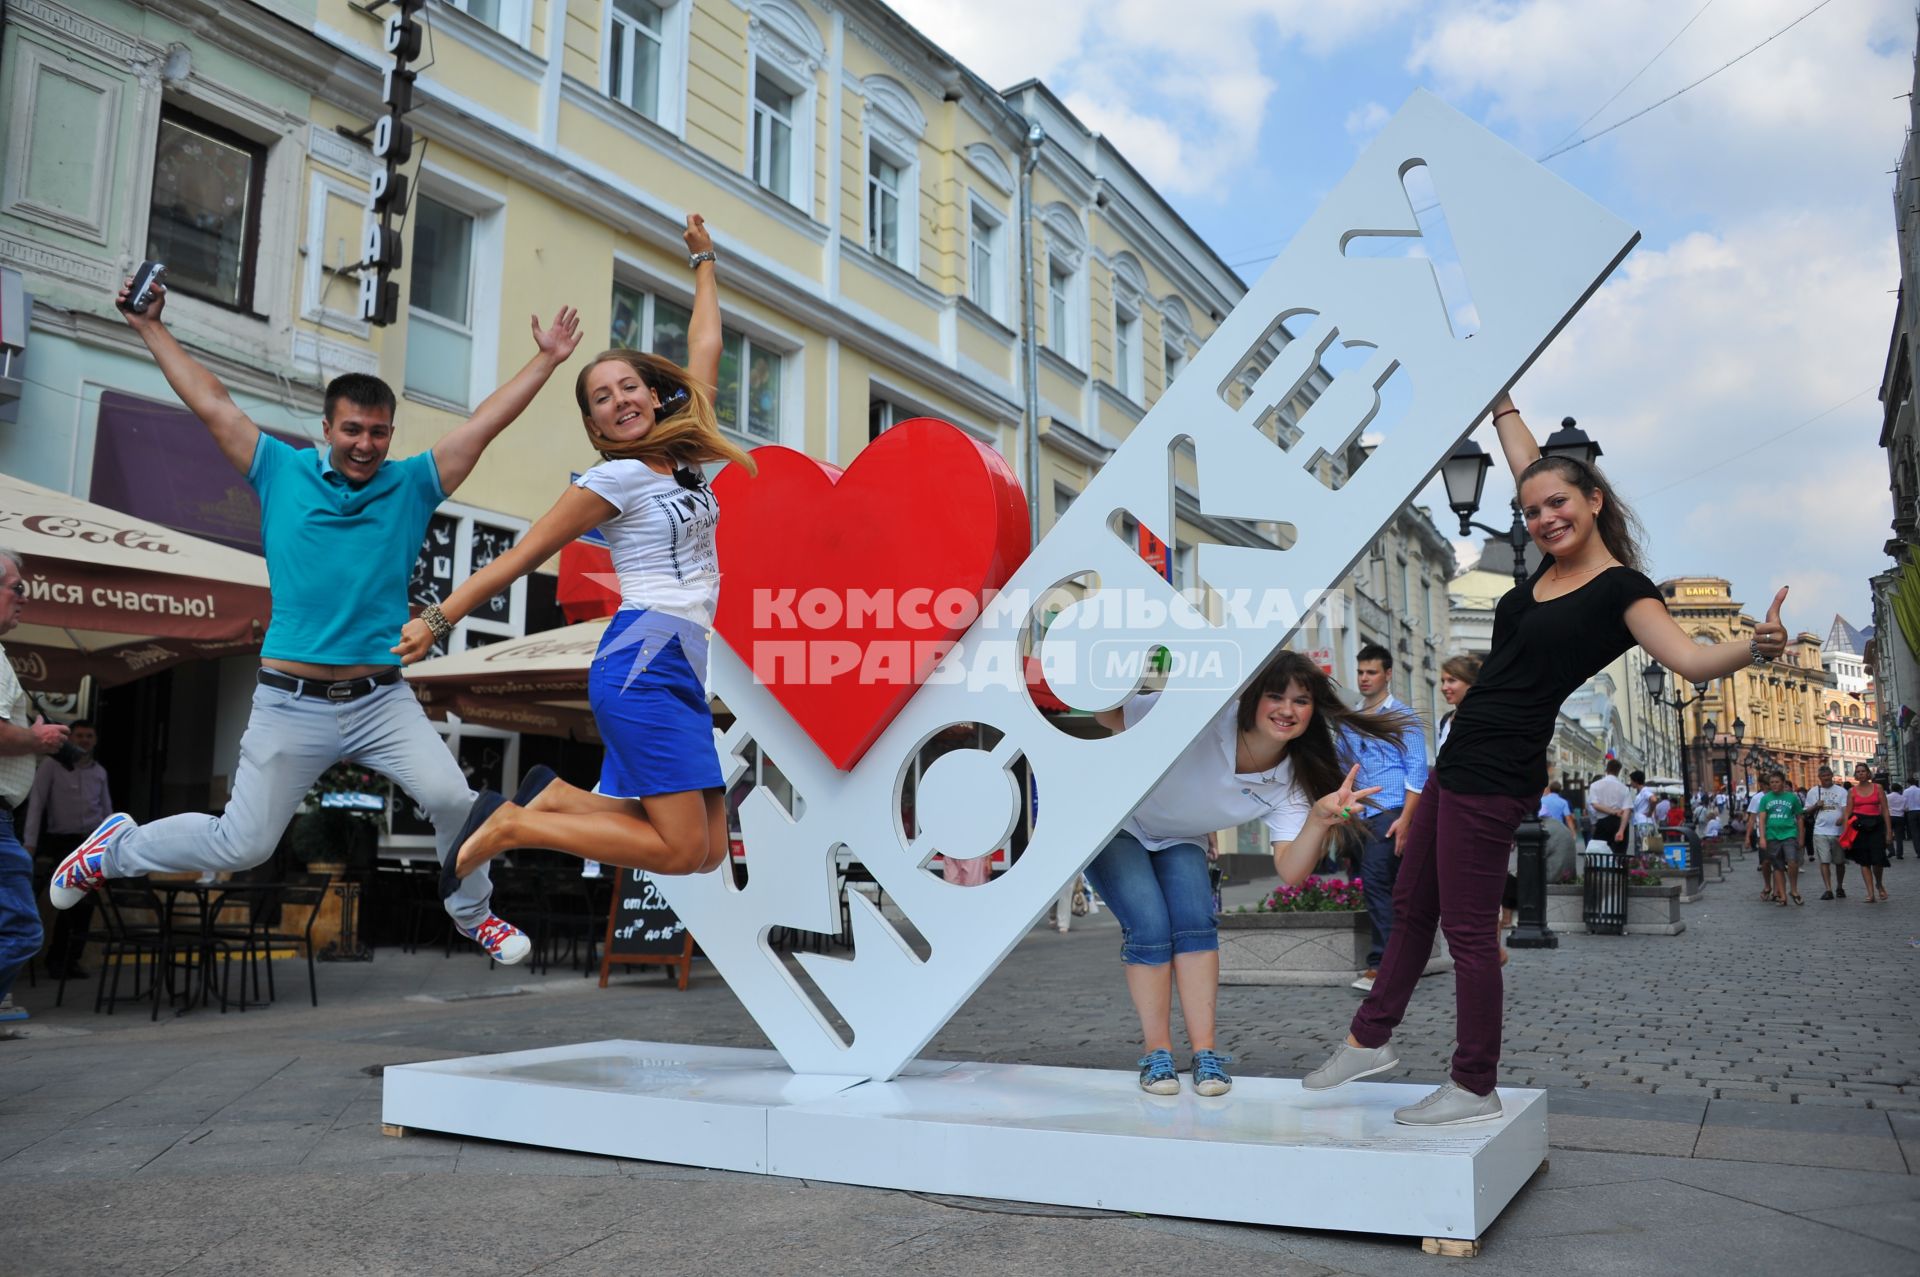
column 1651, row 911
column 1328, row 948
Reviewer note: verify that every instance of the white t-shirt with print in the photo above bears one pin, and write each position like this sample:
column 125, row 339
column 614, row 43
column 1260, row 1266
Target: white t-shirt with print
column 1832, row 800
column 662, row 539
column 1202, row 794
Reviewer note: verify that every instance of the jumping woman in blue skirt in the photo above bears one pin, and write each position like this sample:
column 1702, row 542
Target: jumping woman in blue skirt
column 659, row 804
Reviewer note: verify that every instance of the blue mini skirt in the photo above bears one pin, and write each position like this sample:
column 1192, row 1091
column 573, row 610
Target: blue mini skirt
column 648, row 690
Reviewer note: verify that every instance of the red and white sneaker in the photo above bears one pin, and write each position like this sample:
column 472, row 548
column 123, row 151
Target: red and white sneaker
column 504, row 942
column 85, row 866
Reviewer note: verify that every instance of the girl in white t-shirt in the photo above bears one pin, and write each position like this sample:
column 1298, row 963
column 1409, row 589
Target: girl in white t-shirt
column 659, row 804
column 1269, row 755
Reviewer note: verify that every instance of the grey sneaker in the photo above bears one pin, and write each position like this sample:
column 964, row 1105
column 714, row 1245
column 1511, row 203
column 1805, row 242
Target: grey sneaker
column 1451, row 1105
column 1350, row 1063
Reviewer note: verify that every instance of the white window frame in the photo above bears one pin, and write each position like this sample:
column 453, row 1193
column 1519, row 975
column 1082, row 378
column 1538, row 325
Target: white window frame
column 877, row 193
column 1173, row 358
column 989, row 295
column 516, row 18
column 1128, row 357
column 894, row 125
column 785, row 346
column 784, row 45
column 673, row 62
column 759, row 116
column 1062, row 332
column 488, row 210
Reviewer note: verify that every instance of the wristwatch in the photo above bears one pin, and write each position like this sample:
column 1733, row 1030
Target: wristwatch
column 694, row 260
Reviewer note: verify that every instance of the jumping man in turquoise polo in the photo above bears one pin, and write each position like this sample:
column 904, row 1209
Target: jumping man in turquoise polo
column 341, row 526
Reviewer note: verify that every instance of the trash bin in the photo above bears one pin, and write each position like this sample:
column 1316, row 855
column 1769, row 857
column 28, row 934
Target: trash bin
column 1604, row 904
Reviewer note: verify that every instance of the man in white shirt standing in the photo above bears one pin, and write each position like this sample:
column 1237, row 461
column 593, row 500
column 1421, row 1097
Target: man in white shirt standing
column 1643, row 823
column 1897, row 809
column 1610, row 800
column 1913, row 811
column 1825, row 802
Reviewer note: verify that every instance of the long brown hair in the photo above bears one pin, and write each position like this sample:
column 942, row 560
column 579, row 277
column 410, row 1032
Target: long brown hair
column 1619, row 528
column 686, row 436
column 1316, row 751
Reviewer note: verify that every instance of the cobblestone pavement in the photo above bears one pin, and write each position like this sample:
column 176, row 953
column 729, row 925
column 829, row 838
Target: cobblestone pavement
column 1737, row 1098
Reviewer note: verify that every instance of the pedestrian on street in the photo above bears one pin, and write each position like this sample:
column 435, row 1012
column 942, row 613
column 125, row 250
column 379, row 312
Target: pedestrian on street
column 1611, row 802
column 69, row 798
column 1896, row 815
column 1398, row 769
column 1872, row 831
column 1457, row 677
column 1912, row 796
column 342, row 525
column 1584, row 607
column 1279, row 742
column 660, row 804
column 1753, row 842
column 24, row 739
column 1780, row 810
column 1643, row 822
column 1827, row 802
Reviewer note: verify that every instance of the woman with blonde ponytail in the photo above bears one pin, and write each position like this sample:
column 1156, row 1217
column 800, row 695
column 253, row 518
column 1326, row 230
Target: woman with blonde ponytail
column 658, row 806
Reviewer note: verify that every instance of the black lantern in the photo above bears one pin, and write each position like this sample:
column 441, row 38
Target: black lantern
column 1572, row 442
column 1655, row 675
column 1464, row 473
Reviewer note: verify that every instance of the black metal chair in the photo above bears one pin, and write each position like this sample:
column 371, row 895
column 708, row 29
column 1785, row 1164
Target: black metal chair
column 158, row 944
column 308, row 890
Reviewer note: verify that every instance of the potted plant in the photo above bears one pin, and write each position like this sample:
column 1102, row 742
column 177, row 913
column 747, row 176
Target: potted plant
column 1313, row 933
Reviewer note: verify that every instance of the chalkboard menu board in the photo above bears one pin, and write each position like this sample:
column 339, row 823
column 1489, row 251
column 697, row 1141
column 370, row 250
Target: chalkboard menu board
column 642, row 928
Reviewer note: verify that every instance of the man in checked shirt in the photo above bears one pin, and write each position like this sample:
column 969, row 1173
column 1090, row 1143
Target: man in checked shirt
column 67, row 802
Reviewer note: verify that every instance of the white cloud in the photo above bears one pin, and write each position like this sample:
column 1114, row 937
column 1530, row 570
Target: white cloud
column 1364, row 121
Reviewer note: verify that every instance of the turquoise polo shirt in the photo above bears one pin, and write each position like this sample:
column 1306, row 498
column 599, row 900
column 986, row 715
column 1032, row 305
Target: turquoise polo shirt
column 339, row 557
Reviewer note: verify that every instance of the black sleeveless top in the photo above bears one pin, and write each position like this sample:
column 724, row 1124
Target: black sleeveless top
column 1542, row 653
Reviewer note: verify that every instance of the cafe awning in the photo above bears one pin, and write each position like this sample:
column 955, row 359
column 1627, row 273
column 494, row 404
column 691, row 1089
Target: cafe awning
column 533, row 684
column 116, row 598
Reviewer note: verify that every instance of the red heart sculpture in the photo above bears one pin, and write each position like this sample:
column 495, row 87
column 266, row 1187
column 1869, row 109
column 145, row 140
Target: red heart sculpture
column 842, row 590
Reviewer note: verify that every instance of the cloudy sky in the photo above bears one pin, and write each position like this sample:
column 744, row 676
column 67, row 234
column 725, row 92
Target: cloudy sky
column 1731, row 367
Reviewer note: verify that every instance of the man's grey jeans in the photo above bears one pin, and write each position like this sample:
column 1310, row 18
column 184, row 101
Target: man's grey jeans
column 290, row 740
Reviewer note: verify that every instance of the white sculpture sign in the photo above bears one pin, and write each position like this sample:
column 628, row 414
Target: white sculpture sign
column 1532, row 249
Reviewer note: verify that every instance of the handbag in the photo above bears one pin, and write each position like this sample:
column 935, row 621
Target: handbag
column 1851, row 832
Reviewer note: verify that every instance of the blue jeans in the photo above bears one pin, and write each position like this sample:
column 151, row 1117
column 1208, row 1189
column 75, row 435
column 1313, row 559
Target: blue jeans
column 1379, row 870
column 19, row 915
column 1163, row 899
column 289, row 741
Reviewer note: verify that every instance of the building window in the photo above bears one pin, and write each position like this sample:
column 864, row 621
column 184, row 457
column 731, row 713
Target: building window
column 1173, row 360
column 440, row 303
column 633, row 54
column 883, row 415
column 204, row 218
column 751, row 374
column 1126, row 352
column 508, row 17
column 773, row 136
column 883, row 209
column 983, row 262
column 1059, row 310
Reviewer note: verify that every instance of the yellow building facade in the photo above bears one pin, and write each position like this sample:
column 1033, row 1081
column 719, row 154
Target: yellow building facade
column 1782, row 705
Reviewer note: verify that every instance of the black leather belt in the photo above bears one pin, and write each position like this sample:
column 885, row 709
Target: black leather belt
column 350, row 689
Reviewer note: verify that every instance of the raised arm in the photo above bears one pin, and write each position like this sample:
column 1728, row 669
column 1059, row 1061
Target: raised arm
column 704, row 337
column 1295, row 859
column 576, row 511
column 198, row 388
column 457, row 454
column 1658, row 634
column 1516, row 440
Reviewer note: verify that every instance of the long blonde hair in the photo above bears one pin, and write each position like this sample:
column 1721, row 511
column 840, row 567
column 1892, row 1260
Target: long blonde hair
column 687, row 436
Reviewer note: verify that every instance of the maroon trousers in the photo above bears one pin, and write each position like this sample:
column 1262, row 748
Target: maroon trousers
column 1452, row 872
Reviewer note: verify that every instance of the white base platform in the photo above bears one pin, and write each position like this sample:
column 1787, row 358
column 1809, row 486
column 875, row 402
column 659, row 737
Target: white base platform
column 1268, row 1153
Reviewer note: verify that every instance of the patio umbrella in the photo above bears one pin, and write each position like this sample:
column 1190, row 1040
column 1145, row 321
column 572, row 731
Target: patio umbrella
column 533, row 684
column 117, row 599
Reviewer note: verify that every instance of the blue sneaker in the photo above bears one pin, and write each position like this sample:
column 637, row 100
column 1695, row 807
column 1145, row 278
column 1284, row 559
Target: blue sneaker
column 9, row 1012
column 1157, row 1075
column 1210, row 1076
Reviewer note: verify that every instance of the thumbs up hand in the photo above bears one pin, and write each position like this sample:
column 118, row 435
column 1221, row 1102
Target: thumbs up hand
column 1770, row 636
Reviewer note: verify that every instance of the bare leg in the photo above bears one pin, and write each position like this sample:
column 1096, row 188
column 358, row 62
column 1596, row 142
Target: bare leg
column 1793, row 877
column 666, row 833
column 1198, row 975
column 1866, row 881
column 1152, row 991
column 1880, row 880
column 1826, row 877
column 1780, row 885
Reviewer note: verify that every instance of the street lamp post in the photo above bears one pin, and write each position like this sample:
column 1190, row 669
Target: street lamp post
column 1729, row 746
column 1465, row 475
column 1655, row 677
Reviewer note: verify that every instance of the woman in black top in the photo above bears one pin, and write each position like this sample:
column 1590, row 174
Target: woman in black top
column 1586, row 605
